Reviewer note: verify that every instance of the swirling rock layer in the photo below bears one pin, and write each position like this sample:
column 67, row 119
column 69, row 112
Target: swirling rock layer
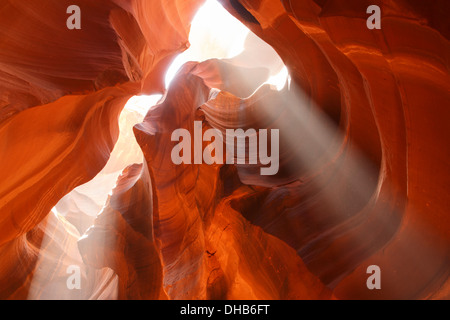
column 364, row 153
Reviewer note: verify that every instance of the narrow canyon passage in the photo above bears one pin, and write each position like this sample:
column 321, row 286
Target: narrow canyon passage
column 118, row 180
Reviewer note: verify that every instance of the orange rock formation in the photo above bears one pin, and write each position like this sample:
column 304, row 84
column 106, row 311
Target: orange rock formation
column 364, row 157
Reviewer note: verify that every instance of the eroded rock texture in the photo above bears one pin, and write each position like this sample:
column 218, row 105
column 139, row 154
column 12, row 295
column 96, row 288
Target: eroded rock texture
column 364, row 153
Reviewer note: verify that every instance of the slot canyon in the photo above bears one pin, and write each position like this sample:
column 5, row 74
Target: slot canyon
column 88, row 182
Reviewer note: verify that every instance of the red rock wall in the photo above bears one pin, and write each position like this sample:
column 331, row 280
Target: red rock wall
column 363, row 152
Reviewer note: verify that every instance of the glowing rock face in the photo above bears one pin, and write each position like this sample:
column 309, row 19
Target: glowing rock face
column 363, row 154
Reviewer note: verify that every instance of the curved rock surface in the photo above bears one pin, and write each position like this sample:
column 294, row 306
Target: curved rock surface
column 363, row 162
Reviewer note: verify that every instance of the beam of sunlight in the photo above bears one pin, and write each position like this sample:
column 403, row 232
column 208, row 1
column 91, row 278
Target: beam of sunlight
column 59, row 258
column 326, row 144
column 76, row 211
column 279, row 80
column 215, row 33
